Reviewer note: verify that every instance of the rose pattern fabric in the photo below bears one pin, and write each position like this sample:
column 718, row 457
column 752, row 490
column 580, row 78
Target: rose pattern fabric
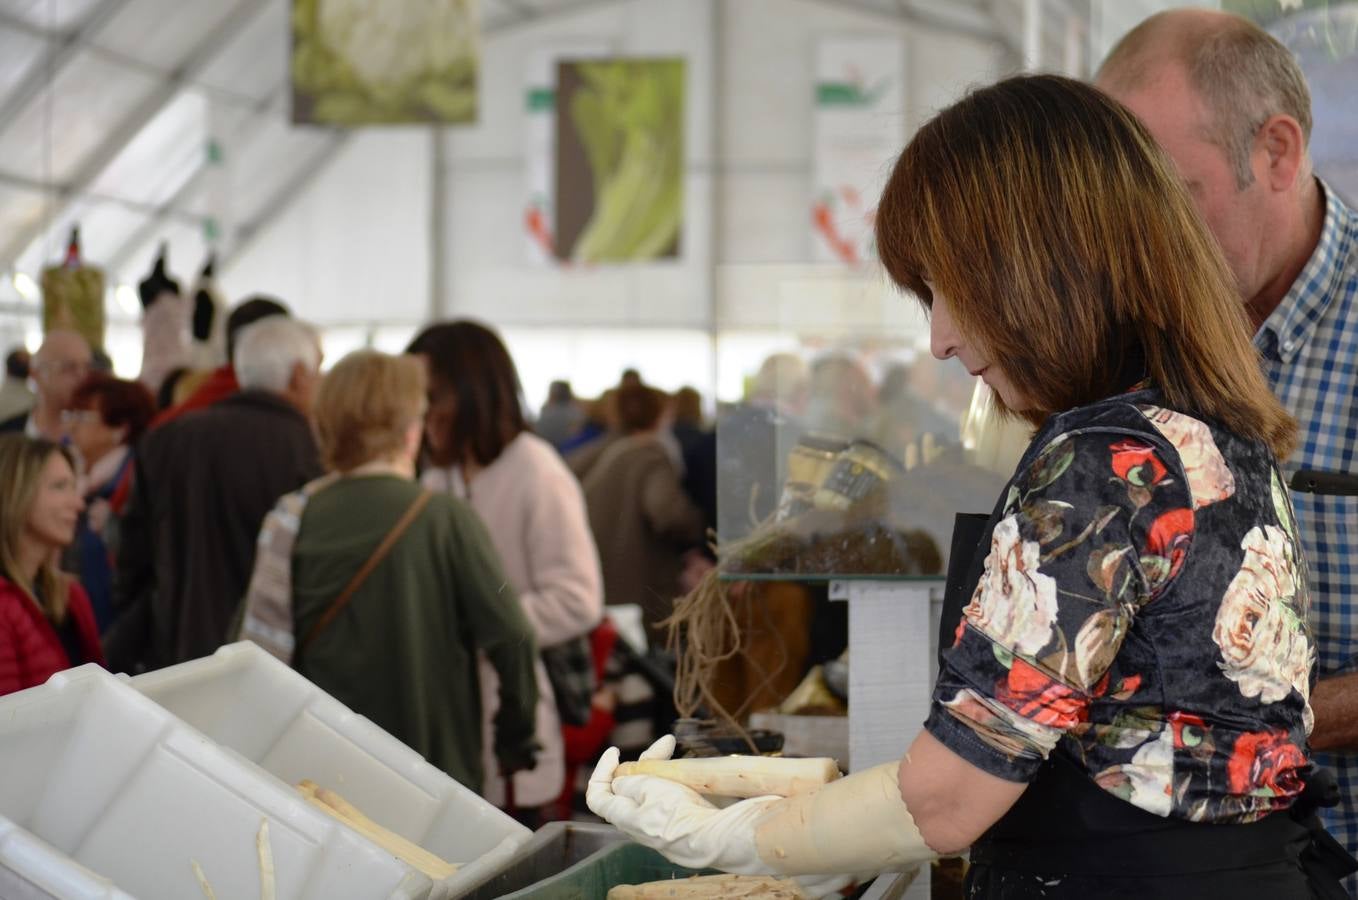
column 1173, row 664
column 1014, row 604
column 1265, row 764
column 1209, row 478
column 1260, row 626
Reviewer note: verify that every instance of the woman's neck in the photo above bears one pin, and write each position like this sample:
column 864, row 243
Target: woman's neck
column 102, row 469
column 30, row 556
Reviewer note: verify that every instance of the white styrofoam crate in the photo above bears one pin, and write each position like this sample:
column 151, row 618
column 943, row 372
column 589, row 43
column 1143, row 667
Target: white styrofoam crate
column 245, row 699
column 102, row 787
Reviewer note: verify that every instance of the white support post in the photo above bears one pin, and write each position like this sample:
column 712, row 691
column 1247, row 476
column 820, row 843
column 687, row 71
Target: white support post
column 893, row 628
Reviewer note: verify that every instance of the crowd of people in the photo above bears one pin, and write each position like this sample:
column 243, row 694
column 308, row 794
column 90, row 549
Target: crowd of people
column 395, row 528
column 1151, row 692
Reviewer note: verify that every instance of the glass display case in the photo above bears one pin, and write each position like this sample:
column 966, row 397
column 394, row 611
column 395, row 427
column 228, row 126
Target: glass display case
column 853, row 447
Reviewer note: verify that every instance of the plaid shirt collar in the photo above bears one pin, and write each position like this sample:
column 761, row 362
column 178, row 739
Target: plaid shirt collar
column 1289, row 327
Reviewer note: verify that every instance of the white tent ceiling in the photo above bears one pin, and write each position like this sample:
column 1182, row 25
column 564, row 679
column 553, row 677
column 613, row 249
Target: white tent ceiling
column 111, row 112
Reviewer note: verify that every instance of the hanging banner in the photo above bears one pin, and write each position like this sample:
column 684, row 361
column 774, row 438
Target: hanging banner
column 539, row 129
column 859, row 128
column 355, row 62
column 619, row 160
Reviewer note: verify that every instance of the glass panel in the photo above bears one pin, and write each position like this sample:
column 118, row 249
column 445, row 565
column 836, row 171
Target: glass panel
column 850, row 448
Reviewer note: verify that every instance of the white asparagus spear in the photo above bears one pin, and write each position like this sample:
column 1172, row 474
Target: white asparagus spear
column 410, row 853
column 267, row 889
column 739, row 776
column 725, row 887
column 202, row 880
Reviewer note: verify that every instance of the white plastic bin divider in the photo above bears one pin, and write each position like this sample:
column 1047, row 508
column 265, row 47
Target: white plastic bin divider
column 103, row 780
column 250, row 702
column 32, row 869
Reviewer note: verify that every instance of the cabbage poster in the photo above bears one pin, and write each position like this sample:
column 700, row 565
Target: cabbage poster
column 859, row 128
column 355, row 62
column 619, row 160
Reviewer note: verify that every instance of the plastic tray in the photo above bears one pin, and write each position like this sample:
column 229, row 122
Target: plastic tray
column 107, row 795
column 576, row 861
column 245, row 699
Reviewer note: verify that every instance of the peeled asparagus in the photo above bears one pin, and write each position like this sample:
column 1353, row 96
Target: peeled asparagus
column 726, row 887
column 739, row 776
column 409, row 853
column 266, row 869
column 202, row 880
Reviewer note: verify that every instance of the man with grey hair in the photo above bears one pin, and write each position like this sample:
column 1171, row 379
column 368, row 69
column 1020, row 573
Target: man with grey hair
column 61, row 363
column 1230, row 105
column 204, row 484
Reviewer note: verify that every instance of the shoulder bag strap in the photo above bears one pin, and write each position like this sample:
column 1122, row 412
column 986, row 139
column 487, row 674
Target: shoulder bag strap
column 378, row 555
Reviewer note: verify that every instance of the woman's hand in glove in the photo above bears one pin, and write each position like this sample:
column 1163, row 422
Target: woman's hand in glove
column 682, row 826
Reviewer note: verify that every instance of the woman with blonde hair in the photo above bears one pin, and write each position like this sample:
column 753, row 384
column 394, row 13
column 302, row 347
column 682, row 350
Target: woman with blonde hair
column 1124, row 709
column 46, row 623
column 383, row 593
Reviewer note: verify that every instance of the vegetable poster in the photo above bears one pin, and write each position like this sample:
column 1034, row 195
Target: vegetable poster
column 859, row 128
column 619, row 160
column 355, row 62
column 539, row 129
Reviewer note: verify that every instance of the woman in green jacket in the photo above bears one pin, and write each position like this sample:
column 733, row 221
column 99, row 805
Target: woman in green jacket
column 402, row 648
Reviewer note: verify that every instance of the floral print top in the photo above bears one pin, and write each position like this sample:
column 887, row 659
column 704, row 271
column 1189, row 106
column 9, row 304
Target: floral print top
column 1143, row 609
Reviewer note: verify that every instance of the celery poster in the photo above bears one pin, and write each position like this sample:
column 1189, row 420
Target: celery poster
column 355, row 62
column 859, row 128
column 619, row 160
column 539, row 130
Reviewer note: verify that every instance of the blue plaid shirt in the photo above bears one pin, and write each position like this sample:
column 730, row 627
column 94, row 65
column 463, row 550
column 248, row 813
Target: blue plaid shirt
column 1310, row 352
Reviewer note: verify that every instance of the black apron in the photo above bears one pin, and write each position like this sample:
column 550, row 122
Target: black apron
column 1068, row 838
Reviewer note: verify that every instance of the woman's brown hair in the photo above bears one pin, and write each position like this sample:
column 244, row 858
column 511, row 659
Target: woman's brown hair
column 120, row 404
column 364, row 406
column 471, row 361
column 22, row 460
column 1069, row 249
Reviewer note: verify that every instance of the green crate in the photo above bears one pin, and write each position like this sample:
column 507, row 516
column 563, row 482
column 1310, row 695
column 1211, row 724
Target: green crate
column 591, row 878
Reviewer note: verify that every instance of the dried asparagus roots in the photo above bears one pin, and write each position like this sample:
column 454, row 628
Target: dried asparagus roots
column 739, row 776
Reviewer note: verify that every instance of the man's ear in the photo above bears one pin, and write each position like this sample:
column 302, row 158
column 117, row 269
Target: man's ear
column 1284, row 146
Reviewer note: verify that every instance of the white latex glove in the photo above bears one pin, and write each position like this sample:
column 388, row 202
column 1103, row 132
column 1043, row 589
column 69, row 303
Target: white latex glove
column 682, row 826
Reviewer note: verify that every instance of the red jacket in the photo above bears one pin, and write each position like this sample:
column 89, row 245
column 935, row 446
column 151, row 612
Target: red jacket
column 30, row 650
column 216, row 387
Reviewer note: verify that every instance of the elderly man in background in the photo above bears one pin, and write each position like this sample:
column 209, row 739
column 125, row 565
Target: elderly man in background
column 15, row 397
column 204, row 484
column 1230, row 105
column 60, row 364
